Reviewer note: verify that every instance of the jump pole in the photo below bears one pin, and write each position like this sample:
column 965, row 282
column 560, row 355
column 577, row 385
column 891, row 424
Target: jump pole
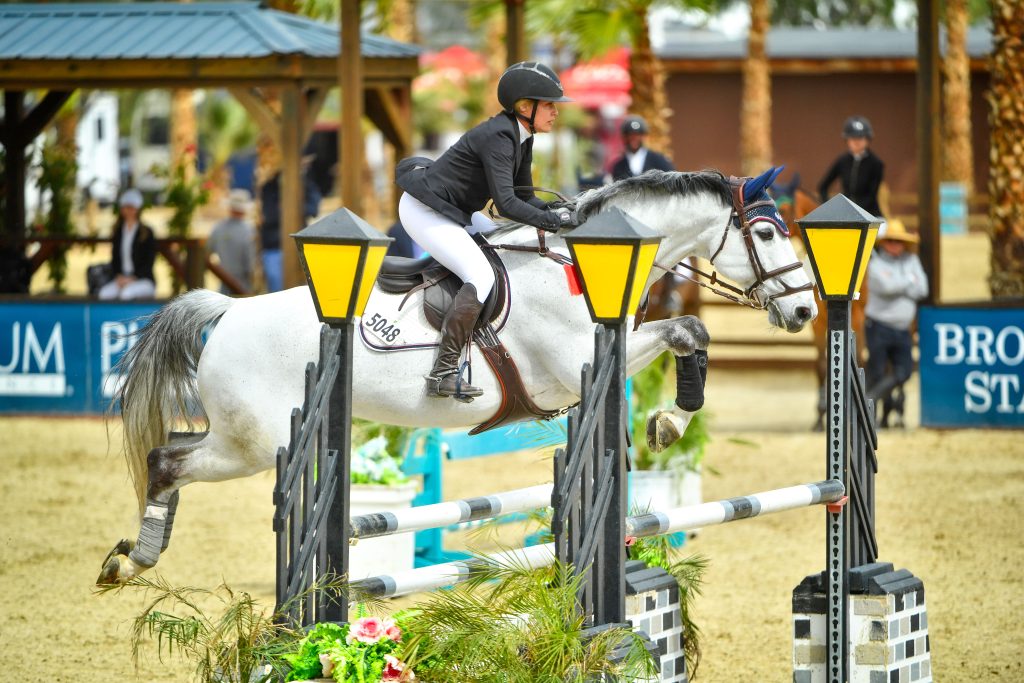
column 651, row 524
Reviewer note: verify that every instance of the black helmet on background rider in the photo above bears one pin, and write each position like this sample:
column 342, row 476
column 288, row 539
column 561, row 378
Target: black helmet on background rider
column 529, row 81
column 857, row 127
column 634, row 124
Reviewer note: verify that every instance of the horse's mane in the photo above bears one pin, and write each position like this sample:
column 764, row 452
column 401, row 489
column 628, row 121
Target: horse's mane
column 653, row 183
column 656, row 183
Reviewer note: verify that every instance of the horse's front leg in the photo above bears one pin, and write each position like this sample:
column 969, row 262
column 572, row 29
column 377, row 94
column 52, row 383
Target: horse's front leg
column 128, row 559
column 687, row 339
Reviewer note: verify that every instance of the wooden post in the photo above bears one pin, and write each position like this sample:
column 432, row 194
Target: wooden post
column 928, row 166
column 350, row 74
column 292, row 191
column 515, row 30
column 14, row 146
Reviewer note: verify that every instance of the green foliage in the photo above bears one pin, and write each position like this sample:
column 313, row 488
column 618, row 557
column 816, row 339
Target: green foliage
column 833, row 13
column 305, row 663
column 57, row 171
column 653, row 389
column 225, row 128
column 224, row 634
column 184, row 195
column 512, row 624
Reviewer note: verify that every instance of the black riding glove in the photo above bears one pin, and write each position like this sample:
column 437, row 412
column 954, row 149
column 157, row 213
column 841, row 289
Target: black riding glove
column 568, row 218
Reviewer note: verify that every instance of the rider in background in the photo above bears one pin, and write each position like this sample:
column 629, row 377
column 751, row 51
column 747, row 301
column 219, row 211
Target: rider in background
column 858, row 169
column 490, row 162
column 637, row 157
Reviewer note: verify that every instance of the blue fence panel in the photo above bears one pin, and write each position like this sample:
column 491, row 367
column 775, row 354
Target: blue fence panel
column 971, row 366
column 57, row 357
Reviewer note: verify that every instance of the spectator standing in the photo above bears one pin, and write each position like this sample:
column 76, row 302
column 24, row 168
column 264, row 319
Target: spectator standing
column 133, row 252
column 270, row 227
column 897, row 282
column 637, row 157
column 859, row 170
column 232, row 240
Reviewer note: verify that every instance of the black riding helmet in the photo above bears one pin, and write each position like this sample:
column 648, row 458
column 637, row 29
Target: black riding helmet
column 857, row 127
column 634, row 124
column 531, row 81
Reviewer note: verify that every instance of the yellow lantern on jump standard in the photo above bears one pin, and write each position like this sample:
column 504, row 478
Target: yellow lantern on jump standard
column 341, row 255
column 839, row 236
column 613, row 254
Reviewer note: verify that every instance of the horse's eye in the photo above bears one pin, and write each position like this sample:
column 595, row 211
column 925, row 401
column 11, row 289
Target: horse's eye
column 765, row 234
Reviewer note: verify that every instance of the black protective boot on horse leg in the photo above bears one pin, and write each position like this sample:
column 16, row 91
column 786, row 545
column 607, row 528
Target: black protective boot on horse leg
column 445, row 379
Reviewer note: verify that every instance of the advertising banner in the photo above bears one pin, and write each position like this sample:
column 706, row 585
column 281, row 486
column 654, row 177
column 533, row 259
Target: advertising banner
column 972, row 366
column 58, row 357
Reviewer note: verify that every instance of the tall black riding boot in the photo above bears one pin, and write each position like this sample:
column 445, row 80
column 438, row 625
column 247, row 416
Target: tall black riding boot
column 444, row 378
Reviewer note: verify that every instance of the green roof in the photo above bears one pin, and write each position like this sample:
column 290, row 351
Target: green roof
column 169, row 30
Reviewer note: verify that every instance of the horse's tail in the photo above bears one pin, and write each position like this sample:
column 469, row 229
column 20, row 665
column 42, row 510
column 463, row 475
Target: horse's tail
column 160, row 377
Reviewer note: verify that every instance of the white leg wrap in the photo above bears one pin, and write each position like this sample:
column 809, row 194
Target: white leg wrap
column 147, row 549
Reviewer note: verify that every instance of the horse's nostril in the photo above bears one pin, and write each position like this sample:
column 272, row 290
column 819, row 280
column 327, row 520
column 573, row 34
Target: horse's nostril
column 803, row 312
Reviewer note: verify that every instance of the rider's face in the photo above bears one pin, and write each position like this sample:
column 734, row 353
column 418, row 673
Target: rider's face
column 544, row 121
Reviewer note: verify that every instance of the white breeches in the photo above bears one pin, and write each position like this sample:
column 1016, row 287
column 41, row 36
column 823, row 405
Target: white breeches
column 449, row 242
column 136, row 289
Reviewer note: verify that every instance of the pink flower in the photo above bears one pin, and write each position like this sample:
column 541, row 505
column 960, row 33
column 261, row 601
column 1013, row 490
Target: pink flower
column 396, row 670
column 366, row 630
column 392, row 631
column 326, row 664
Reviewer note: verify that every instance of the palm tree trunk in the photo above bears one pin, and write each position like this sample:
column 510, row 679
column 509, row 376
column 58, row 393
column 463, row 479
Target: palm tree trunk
column 756, row 107
column 184, row 131
column 647, row 74
column 958, row 158
column 1006, row 117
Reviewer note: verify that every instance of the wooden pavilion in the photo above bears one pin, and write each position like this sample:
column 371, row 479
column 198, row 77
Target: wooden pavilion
column 240, row 46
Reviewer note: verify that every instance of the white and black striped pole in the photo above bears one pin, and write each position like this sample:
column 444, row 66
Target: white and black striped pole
column 839, row 236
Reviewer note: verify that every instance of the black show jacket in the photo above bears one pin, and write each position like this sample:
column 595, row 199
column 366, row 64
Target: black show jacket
column 654, row 160
column 485, row 163
column 143, row 251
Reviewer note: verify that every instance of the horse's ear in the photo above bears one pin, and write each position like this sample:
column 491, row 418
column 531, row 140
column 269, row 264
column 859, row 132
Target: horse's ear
column 755, row 186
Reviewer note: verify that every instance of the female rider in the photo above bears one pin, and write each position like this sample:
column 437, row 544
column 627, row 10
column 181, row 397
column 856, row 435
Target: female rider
column 490, row 162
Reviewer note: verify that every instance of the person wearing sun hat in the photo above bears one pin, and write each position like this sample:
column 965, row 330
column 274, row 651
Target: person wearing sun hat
column 897, row 281
column 133, row 252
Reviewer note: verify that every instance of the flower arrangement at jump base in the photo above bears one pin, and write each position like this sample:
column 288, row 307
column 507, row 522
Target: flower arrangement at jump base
column 364, row 651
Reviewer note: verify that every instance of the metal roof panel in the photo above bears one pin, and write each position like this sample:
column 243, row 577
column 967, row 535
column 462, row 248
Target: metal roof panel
column 161, row 30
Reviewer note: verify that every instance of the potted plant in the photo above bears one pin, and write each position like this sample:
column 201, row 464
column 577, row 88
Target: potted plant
column 364, row 651
column 379, row 485
column 671, row 478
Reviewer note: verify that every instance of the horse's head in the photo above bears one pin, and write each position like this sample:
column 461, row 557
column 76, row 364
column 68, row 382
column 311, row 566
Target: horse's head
column 755, row 251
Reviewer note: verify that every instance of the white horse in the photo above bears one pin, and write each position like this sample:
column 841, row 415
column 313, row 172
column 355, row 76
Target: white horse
column 249, row 374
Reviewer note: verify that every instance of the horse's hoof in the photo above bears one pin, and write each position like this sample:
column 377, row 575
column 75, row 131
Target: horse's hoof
column 117, row 568
column 663, row 429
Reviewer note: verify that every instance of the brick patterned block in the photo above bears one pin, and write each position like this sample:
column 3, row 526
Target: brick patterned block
column 888, row 630
column 652, row 607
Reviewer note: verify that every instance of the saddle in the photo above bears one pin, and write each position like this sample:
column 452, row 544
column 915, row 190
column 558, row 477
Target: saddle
column 401, row 275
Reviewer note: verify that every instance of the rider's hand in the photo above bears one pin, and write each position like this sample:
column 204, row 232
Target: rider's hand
column 568, row 218
column 561, row 204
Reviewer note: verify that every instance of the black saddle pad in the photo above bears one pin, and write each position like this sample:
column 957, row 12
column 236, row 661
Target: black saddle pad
column 402, row 275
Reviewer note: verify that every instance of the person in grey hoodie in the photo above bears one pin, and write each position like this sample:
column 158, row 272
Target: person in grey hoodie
column 897, row 282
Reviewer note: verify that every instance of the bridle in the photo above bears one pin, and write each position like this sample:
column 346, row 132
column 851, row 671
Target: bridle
column 740, row 218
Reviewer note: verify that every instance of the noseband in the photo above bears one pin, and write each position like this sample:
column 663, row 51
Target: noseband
column 754, row 296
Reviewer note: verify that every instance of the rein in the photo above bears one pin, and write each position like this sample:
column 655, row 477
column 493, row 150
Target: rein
column 749, row 297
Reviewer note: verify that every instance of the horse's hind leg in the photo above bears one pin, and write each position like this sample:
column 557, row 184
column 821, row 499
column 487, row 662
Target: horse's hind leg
column 166, row 465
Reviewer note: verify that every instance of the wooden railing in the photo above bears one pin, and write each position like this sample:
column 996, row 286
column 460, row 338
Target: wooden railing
column 187, row 257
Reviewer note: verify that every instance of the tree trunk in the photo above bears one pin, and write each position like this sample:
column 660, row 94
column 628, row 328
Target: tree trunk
column 756, row 107
column 184, row 132
column 958, row 161
column 648, row 90
column 1006, row 179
